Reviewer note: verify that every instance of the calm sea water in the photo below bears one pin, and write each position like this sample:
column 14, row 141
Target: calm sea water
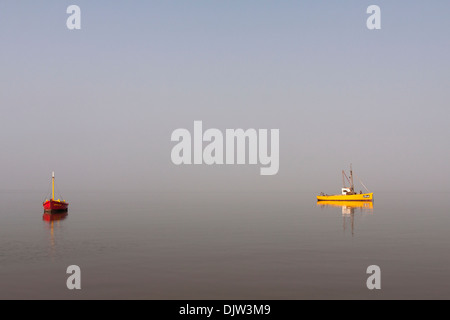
column 225, row 246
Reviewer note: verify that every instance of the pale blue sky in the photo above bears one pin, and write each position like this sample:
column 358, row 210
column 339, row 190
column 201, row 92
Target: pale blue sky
column 102, row 102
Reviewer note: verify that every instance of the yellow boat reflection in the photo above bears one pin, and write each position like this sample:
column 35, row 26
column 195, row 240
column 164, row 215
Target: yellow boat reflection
column 347, row 204
column 348, row 209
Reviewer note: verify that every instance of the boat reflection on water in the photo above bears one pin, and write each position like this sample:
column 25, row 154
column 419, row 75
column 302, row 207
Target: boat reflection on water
column 54, row 216
column 53, row 222
column 349, row 207
column 348, row 210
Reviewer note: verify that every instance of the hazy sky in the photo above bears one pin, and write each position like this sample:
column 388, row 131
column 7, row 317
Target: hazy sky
column 98, row 105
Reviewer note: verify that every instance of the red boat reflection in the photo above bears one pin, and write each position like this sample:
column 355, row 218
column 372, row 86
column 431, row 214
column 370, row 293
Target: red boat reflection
column 54, row 216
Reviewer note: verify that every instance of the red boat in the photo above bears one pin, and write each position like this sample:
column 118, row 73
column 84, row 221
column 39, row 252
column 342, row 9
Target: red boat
column 55, row 205
column 52, row 205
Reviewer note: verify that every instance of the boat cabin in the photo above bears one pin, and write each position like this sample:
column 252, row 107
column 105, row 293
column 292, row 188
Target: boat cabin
column 346, row 191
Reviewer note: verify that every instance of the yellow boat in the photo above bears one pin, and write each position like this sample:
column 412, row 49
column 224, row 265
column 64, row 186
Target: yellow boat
column 347, row 193
column 347, row 197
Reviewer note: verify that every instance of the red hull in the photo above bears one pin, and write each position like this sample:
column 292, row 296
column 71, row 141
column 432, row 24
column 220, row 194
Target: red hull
column 55, row 206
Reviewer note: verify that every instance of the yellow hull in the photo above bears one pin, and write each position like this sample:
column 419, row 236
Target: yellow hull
column 352, row 197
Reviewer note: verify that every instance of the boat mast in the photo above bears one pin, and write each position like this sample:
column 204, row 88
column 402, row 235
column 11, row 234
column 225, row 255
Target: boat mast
column 343, row 181
column 352, row 188
column 53, row 185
